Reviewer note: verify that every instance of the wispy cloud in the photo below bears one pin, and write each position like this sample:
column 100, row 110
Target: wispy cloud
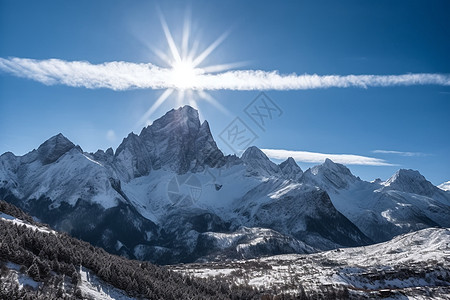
column 401, row 153
column 315, row 157
column 121, row 75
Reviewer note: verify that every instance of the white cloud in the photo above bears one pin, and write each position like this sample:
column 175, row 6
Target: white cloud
column 401, row 153
column 111, row 135
column 314, row 157
column 119, row 75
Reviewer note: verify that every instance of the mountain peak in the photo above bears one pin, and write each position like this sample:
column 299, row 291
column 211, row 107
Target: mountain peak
column 176, row 141
column 252, row 153
column 182, row 113
column 258, row 164
column 405, row 174
column 335, row 167
column 410, row 181
column 290, row 169
column 181, row 121
column 329, row 164
column 330, row 174
column 54, row 148
column 289, row 161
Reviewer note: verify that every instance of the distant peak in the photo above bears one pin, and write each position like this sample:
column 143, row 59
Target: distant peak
column 330, row 174
column 409, row 172
column 54, row 148
column 377, row 180
column 290, row 169
column 329, row 162
column 332, row 166
column 290, row 161
column 252, row 153
column 58, row 139
column 410, row 181
column 406, row 173
column 258, row 164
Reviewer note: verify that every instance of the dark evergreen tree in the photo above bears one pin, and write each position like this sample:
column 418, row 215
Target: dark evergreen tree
column 33, row 272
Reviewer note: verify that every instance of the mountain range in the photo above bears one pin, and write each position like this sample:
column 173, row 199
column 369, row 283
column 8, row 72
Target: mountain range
column 169, row 195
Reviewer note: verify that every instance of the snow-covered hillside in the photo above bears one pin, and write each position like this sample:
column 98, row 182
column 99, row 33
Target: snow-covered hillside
column 413, row 265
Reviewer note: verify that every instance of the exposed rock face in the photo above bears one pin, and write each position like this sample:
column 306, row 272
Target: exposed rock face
column 177, row 142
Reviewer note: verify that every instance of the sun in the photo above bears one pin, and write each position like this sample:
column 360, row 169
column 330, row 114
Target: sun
column 183, row 64
column 184, row 74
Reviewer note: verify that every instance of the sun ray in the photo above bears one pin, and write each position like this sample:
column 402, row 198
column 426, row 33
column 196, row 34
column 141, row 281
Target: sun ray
column 186, row 34
column 193, row 50
column 193, row 103
column 199, row 59
column 210, row 99
column 170, row 41
column 180, row 96
column 155, row 106
column 163, row 56
column 223, row 67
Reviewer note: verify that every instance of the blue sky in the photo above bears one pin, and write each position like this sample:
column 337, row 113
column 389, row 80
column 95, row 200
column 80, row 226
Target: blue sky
column 303, row 37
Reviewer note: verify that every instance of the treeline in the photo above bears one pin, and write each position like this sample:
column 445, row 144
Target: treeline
column 49, row 258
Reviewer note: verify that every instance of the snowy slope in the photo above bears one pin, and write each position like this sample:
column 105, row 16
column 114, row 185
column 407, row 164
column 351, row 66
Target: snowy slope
column 414, row 265
column 406, row 202
column 65, row 175
column 8, row 218
column 93, row 287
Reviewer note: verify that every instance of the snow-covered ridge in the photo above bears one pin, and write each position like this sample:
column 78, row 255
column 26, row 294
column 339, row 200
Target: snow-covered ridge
column 444, row 186
column 406, row 202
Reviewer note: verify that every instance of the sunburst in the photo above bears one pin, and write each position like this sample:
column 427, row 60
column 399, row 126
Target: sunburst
column 183, row 64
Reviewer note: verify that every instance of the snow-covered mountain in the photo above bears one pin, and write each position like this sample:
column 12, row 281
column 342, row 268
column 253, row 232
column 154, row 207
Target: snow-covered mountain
column 170, row 195
column 405, row 202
